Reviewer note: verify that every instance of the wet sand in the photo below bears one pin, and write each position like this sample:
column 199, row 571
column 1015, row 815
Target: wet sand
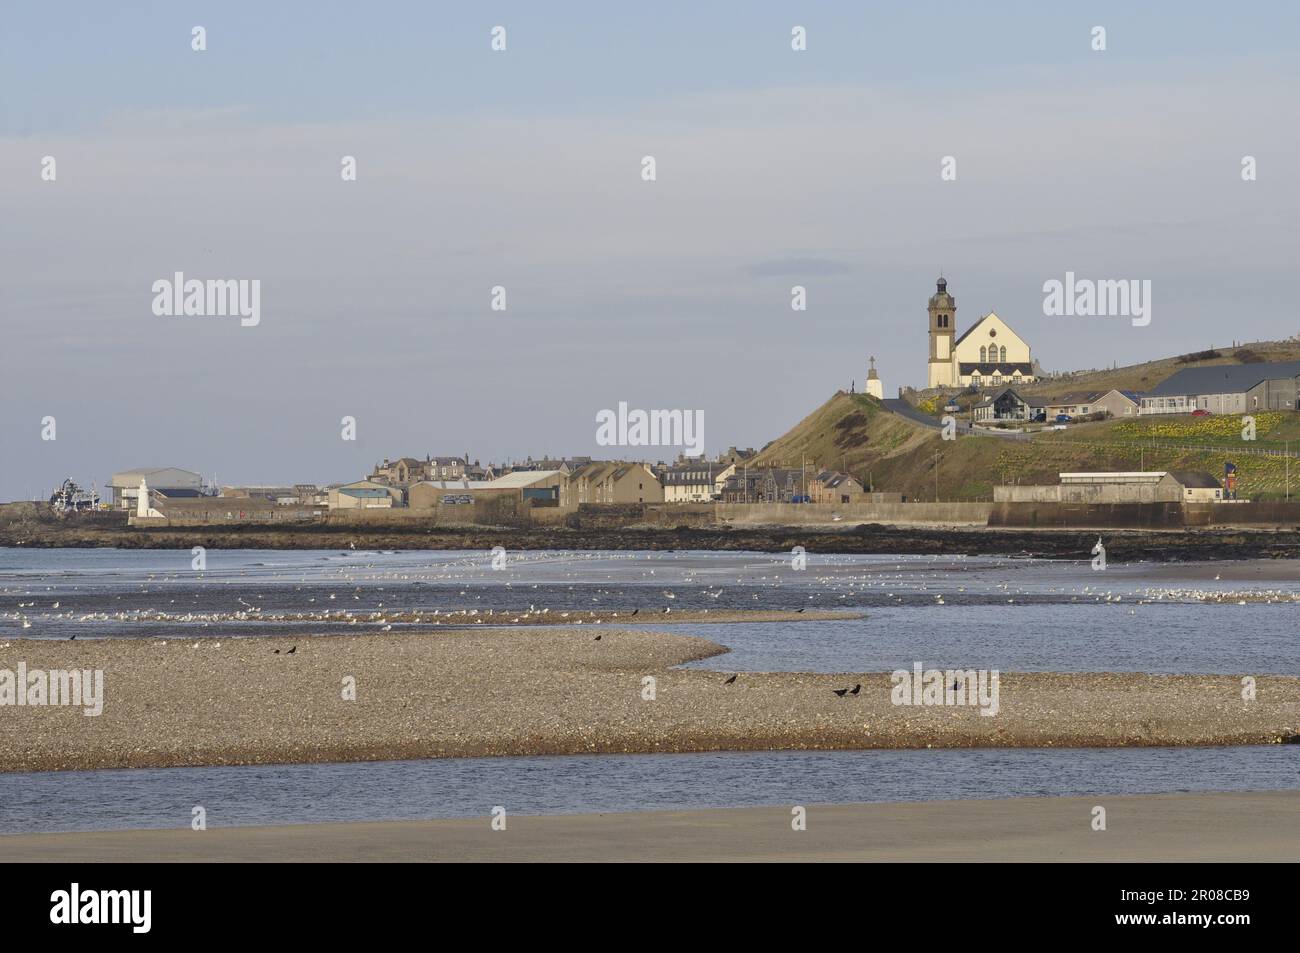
column 547, row 690
column 1250, row 827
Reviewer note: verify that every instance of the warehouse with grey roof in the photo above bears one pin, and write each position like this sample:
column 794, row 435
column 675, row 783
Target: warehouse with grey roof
column 1226, row 389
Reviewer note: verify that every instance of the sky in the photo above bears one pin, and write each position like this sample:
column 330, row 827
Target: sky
column 522, row 169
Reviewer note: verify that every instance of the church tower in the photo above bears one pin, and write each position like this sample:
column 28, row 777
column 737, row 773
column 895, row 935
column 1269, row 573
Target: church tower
column 943, row 317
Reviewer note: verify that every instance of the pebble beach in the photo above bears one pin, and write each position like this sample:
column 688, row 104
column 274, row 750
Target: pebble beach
column 565, row 690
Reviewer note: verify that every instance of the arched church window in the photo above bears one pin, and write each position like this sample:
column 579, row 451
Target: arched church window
column 984, row 355
column 1004, row 354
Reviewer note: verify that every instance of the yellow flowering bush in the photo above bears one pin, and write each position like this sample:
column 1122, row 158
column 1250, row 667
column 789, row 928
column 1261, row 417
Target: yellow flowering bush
column 1187, row 427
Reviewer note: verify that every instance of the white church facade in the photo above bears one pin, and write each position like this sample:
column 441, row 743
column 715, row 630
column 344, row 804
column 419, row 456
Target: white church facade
column 987, row 354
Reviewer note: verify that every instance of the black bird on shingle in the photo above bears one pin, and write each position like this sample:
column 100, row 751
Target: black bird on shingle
column 730, row 680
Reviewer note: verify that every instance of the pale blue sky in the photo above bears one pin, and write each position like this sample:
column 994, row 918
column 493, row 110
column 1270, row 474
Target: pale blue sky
column 522, row 169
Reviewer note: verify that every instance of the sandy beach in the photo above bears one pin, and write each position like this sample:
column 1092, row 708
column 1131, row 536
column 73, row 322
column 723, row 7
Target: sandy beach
column 1143, row 828
column 563, row 691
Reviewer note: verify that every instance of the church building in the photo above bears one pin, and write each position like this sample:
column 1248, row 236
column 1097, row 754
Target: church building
column 987, row 354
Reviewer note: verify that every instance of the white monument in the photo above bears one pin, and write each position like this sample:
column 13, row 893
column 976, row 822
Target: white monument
column 874, row 387
column 142, row 500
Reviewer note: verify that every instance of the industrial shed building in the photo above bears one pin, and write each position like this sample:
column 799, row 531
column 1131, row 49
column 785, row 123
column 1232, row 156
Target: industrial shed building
column 1150, row 486
column 169, row 481
column 1226, row 389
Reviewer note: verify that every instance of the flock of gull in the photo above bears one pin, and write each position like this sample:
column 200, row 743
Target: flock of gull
column 603, row 577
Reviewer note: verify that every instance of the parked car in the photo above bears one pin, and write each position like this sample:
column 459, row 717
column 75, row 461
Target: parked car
column 1040, row 417
column 1201, row 413
column 1063, row 418
column 800, row 499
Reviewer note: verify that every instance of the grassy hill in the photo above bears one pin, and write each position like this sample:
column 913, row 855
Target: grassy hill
column 1144, row 376
column 849, row 432
column 858, row 434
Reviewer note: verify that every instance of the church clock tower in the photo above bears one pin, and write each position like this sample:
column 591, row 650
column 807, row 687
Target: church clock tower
column 943, row 316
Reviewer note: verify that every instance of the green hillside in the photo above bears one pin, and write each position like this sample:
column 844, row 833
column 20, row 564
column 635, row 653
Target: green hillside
column 858, row 434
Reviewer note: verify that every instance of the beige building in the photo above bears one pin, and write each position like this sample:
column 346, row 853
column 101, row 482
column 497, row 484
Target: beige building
column 364, row 495
column 987, row 354
column 542, row 485
column 1115, row 403
column 1154, row 486
column 831, row 486
column 693, row 482
column 736, row 456
column 598, row 482
column 407, row 470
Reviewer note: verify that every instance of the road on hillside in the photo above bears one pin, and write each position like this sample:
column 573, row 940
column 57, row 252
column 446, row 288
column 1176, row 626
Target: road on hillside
column 899, row 406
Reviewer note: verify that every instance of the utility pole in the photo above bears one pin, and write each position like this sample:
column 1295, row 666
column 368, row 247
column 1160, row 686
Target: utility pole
column 936, row 476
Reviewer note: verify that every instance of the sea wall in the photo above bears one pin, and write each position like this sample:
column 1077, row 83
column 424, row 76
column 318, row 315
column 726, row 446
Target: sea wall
column 802, row 514
column 1088, row 515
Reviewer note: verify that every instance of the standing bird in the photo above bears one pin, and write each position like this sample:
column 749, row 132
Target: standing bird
column 292, row 650
column 730, row 680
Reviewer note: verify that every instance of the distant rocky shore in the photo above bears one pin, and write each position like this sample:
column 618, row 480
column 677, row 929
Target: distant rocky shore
column 1121, row 545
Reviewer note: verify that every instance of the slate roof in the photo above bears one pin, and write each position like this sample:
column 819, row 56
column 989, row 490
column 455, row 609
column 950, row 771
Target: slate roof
column 1007, row 369
column 1195, row 478
column 1221, row 379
